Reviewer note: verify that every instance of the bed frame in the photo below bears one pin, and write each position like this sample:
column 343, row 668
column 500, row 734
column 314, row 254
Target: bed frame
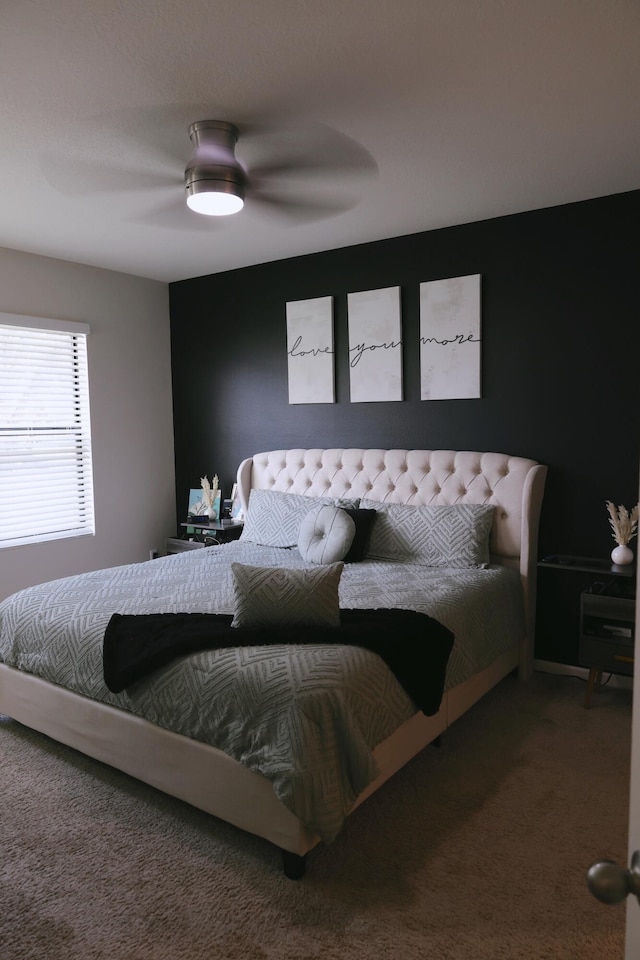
column 212, row 781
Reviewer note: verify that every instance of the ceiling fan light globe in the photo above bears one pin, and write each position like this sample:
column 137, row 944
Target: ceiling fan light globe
column 214, row 203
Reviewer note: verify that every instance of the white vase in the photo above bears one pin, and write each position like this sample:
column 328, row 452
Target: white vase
column 622, row 554
column 211, row 513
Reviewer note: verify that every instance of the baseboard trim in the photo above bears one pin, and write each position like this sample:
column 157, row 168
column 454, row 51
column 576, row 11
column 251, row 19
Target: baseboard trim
column 567, row 670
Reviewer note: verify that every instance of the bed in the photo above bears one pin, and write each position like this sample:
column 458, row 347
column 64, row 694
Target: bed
column 286, row 740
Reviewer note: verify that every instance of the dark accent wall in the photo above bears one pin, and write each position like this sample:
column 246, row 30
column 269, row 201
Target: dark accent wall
column 560, row 380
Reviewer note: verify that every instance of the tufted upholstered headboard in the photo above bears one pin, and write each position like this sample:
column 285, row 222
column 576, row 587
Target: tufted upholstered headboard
column 515, row 485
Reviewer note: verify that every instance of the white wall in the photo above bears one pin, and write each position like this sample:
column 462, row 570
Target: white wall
column 131, row 413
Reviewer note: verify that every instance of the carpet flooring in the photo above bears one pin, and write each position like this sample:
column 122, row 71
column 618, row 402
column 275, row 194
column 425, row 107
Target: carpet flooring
column 477, row 850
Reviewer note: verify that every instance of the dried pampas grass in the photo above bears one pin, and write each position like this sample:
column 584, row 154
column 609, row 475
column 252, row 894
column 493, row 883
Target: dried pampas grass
column 210, row 490
column 623, row 522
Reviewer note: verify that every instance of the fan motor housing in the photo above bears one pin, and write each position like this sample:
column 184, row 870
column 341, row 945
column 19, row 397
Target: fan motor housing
column 214, row 160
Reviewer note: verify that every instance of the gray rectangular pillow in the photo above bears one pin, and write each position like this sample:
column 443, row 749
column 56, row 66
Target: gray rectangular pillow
column 277, row 597
column 273, row 518
column 455, row 535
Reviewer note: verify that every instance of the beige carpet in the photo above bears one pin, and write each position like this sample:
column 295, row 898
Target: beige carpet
column 475, row 850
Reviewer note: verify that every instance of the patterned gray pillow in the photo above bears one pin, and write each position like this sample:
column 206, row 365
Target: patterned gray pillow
column 276, row 597
column 455, row 535
column 274, row 518
column 326, row 533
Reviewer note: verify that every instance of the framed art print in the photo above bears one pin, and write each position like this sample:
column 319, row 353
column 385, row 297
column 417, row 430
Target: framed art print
column 198, row 505
column 375, row 345
column 450, row 339
column 310, row 351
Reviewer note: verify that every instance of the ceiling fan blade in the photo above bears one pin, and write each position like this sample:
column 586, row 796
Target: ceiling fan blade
column 297, row 209
column 309, row 150
column 299, row 164
column 175, row 215
column 77, row 178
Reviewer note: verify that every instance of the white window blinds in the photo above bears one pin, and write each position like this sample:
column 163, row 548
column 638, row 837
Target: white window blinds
column 46, row 483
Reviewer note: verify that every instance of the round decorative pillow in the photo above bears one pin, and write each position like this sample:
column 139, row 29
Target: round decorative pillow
column 325, row 535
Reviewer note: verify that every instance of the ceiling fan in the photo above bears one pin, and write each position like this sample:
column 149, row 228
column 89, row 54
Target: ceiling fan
column 293, row 172
column 215, row 181
column 217, row 184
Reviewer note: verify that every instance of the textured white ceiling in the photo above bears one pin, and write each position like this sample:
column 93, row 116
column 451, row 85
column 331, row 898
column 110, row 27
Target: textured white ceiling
column 420, row 113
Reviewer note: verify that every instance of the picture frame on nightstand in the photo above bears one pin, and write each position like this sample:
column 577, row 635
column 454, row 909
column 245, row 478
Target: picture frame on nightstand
column 198, row 505
column 236, row 512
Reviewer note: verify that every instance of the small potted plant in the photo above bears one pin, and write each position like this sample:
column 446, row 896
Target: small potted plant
column 624, row 524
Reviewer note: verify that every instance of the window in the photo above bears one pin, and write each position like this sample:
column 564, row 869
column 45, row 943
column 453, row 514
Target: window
column 46, row 482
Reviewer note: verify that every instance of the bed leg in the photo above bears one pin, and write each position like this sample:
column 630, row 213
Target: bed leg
column 293, row 865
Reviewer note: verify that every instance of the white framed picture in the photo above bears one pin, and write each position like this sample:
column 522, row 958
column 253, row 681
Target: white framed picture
column 450, row 338
column 310, row 353
column 375, row 345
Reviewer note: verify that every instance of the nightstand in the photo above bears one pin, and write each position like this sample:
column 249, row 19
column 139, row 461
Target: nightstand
column 607, row 628
column 204, row 535
column 602, row 594
column 179, row 545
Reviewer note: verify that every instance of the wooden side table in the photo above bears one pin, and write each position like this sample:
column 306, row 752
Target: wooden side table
column 607, row 627
column 607, row 616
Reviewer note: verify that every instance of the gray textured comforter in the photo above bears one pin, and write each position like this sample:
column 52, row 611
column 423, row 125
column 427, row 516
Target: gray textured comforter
column 307, row 718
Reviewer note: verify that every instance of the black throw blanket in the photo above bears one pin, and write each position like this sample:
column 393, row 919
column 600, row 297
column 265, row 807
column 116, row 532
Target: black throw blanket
column 413, row 645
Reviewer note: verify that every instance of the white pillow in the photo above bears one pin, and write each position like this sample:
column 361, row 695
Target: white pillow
column 455, row 535
column 325, row 535
column 273, row 518
column 277, row 597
